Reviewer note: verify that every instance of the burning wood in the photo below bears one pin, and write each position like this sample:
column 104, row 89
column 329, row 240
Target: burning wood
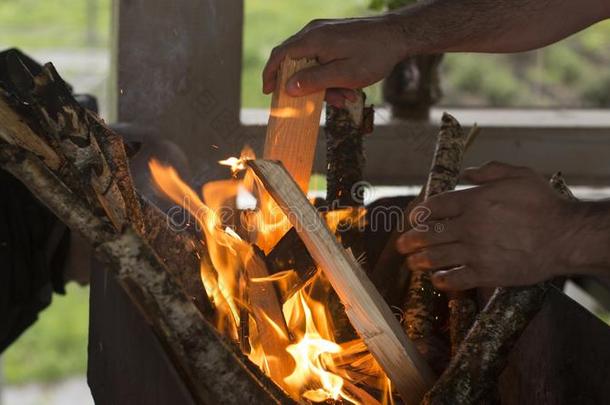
column 199, row 353
column 43, row 119
column 366, row 309
column 273, row 301
column 273, row 333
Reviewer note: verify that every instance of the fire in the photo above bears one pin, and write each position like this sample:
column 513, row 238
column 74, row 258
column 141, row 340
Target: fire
column 313, row 355
column 323, row 369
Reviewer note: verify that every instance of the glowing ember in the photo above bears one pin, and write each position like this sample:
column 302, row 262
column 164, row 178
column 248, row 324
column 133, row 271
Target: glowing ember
column 323, row 368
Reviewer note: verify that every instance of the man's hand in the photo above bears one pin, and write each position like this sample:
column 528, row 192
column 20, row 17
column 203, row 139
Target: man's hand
column 353, row 53
column 512, row 229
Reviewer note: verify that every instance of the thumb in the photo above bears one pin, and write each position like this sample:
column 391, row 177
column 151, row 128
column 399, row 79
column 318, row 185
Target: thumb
column 319, row 78
column 493, row 171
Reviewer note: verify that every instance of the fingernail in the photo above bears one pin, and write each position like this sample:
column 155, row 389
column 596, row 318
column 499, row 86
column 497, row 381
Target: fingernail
column 293, row 87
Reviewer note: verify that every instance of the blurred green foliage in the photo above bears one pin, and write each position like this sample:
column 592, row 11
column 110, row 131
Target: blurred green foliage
column 389, row 4
column 55, row 23
column 56, row 345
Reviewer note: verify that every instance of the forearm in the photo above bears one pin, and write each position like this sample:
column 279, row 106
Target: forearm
column 587, row 243
column 494, row 26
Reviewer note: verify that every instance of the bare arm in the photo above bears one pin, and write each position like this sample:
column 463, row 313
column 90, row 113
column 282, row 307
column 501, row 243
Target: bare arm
column 355, row 53
column 495, row 26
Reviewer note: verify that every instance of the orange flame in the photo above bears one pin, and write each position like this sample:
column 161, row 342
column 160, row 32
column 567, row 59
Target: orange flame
column 324, row 369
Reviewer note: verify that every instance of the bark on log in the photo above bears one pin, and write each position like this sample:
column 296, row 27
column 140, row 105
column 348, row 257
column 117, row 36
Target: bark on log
column 16, row 132
column 180, row 252
column 51, row 104
column 345, row 129
column 212, row 368
column 113, row 148
column 421, row 308
column 472, row 375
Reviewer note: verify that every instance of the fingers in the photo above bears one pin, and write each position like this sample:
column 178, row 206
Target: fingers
column 337, row 97
column 293, row 47
column 446, row 205
column 493, row 171
column 431, row 234
column 439, row 257
column 455, row 279
column 319, row 78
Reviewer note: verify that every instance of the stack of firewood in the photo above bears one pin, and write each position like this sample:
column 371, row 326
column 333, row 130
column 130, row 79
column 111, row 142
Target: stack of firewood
column 74, row 164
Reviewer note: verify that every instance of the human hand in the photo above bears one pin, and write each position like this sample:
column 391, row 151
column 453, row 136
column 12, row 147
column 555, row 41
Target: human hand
column 512, row 229
column 353, row 53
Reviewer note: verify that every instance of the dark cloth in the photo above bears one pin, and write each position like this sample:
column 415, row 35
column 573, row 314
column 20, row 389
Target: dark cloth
column 33, row 250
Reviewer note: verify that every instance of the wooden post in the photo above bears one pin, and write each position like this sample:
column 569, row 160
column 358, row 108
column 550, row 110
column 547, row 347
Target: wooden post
column 294, row 122
column 366, row 309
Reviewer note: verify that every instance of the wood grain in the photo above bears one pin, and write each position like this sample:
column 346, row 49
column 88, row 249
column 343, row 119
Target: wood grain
column 366, row 309
column 267, row 309
column 294, row 123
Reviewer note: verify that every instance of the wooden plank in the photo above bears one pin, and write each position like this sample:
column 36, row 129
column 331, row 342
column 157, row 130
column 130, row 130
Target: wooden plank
column 294, row 123
column 366, row 309
column 267, row 310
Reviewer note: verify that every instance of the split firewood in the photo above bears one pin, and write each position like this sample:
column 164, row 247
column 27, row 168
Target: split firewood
column 366, row 309
column 294, row 122
column 420, row 309
column 290, row 253
column 16, row 132
column 266, row 308
column 113, row 148
column 473, row 373
column 59, row 115
column 180, row 252
column 345, row 129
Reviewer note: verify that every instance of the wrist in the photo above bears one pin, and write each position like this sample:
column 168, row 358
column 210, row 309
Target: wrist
column 587, row 240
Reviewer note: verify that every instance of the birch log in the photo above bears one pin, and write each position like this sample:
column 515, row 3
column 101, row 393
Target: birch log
column 420, row 313
column 210, row 367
